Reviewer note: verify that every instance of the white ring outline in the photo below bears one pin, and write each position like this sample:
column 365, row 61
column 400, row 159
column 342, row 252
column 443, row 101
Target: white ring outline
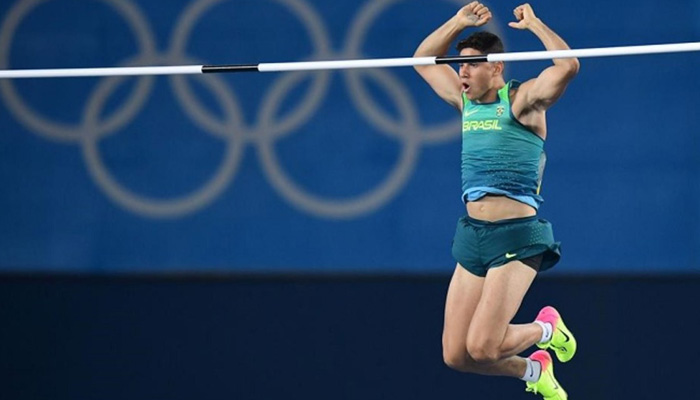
column 58, row 131
column 318, row 35
column 151, row 207
column 349, row 207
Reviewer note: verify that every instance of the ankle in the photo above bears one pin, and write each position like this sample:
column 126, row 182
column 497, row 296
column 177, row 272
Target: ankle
column 533, row 371
column 547, row 331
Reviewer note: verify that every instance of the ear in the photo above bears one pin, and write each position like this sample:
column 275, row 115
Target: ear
column 498, row 68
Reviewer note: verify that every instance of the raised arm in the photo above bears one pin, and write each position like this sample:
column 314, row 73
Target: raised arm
column 540, row 93
column 443, row 78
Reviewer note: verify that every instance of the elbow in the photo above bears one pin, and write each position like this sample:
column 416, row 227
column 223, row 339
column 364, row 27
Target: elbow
column 417, row 53
column 573, row 66
column 420, row 51
column 566, row 68
column 419, row 68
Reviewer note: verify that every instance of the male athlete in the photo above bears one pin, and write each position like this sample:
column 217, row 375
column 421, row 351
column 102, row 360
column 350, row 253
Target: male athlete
column 500, row 244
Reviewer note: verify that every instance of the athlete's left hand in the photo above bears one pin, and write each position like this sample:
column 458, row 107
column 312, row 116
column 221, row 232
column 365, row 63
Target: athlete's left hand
column 525, row 16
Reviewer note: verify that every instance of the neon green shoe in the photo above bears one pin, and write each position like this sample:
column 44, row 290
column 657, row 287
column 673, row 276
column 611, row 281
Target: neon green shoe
column 563, row 342
column 547, row 385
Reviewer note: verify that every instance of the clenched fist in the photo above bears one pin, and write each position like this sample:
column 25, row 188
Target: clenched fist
column 525, row 16
column 474, row 14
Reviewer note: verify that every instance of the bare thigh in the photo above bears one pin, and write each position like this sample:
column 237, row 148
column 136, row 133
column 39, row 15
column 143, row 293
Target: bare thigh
column 503, row 291
column 462, row 299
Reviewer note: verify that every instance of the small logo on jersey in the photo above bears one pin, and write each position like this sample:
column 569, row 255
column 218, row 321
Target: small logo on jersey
column 467, row 113
column 500, row 110
column 509, row 255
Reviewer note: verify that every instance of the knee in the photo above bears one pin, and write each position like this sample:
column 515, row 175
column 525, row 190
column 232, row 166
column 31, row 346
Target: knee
column 456, row 362
column 457, row 359
column 483, row 352
column 452, row 361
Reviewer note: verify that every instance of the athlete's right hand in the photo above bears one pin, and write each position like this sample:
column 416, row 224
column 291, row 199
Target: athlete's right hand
column 474, row 14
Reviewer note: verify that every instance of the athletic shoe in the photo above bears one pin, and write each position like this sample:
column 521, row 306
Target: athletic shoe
column 547, row 385
column 562, row 342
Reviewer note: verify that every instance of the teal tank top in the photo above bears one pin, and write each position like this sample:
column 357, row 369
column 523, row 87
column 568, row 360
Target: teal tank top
column 500, row 155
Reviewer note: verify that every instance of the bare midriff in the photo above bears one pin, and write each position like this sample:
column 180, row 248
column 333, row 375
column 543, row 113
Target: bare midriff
column 496, row 208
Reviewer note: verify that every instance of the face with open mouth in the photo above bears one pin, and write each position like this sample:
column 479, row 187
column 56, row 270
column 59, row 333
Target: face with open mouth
column 476, row 78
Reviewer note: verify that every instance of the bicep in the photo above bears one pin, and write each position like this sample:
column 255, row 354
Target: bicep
column 444, row 81
column 548, row 87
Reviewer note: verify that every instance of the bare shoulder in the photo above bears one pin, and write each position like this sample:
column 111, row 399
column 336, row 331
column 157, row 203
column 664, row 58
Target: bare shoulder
column 518, row 97
column 525, row 112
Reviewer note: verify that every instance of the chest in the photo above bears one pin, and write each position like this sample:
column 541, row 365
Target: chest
column 484, row 119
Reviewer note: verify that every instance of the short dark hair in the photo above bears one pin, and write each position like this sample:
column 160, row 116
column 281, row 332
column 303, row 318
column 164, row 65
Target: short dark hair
column 485, row 42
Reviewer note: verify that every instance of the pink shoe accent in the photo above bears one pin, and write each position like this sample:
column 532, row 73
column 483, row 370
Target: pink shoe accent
column 543, row 358
column 550, row 315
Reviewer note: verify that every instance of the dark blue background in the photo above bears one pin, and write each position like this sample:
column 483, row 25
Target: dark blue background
column 621, row 186
column 310, row 338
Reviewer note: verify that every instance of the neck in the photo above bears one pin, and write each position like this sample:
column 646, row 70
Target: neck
column 492, row 94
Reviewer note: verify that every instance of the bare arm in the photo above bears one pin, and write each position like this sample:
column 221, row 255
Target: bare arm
column 542, row 92
column 443, row 78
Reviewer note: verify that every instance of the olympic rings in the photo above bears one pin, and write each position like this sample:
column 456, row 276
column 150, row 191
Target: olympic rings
column 268, row 127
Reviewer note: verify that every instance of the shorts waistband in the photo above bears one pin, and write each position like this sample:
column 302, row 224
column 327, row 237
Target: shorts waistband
column 480, row 222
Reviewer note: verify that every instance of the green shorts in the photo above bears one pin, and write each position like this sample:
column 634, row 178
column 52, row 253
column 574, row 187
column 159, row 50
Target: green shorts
column 480, row 245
